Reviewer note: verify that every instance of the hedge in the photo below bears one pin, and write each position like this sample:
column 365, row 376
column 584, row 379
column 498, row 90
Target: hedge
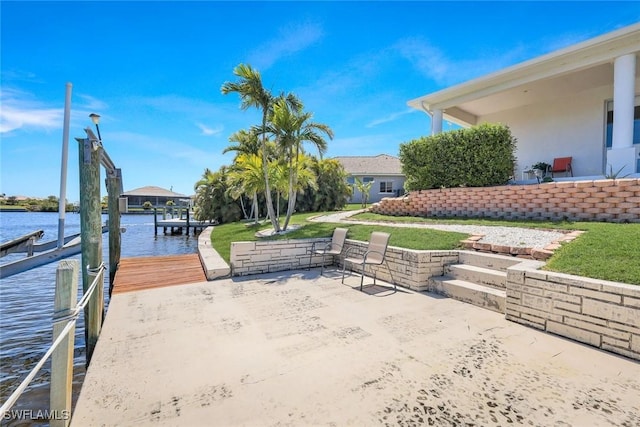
column 475, row 157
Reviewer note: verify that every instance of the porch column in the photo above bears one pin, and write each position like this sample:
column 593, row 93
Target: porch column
column 624, row 75
column 436, row 121
column 622, row 153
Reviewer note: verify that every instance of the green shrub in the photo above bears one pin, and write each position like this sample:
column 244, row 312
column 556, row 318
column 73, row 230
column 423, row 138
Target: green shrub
column 476, row 157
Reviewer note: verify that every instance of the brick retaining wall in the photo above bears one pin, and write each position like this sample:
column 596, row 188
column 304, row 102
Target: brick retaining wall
column 599, row 200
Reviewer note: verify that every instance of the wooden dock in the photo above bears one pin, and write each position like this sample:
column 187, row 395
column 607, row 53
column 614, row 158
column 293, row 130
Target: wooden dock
column 135, row 274
column 176, row 225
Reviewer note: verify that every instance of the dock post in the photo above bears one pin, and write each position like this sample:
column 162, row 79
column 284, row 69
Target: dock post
column 155, row 221
column 90, row 152
column 114, row 189
column 188, row 223
column 62, row 357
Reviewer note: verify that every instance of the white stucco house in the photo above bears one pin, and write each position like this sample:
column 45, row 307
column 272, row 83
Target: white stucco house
column 582, row 101
column 384, row 170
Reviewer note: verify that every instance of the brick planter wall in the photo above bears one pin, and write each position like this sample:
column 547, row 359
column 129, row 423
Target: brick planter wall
column 267, row 256
column 596, row 312
column 409, row 268
column 600, row 200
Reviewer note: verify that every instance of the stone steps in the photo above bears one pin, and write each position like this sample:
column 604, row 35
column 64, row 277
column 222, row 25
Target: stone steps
column 478, row 295
column 494, row 262
column 479, row 279
column 478, row 275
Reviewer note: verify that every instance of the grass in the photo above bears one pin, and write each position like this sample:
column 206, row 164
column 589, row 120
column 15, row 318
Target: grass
column 606, row 251
column 425, row 239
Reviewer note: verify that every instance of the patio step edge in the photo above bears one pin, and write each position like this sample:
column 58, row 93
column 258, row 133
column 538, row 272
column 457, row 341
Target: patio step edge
column 481, row 296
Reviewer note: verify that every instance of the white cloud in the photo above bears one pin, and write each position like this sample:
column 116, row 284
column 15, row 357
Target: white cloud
column 434, row 64
column 428, row 59
column 291, row 39
column 207, row 131
column 20, row 76
column 20, row 111
column 92, row 104
column 390, row 118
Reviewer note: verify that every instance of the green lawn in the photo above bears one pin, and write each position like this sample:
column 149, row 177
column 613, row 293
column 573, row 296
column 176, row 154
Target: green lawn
column 606, row 251
column 223, row 235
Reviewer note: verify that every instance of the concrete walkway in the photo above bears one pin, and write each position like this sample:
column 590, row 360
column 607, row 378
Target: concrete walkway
column 296, row 349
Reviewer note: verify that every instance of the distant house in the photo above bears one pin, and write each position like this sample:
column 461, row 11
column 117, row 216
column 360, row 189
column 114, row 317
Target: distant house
column 156, row 195
column 582, row 101
column 385, row 171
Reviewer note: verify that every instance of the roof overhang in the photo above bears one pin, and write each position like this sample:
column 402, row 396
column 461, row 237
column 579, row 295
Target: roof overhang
column 582, row 66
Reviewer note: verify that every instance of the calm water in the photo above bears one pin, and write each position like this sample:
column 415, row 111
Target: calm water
column 26, row 299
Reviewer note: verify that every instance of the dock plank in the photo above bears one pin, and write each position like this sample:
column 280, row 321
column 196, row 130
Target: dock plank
column 140, row 273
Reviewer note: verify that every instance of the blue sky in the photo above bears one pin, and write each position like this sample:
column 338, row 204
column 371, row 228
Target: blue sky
column 153, row 71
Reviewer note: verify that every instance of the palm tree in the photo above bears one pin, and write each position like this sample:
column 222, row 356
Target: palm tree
column 291, row 128
column 204, row 188
column 212, row 202
column 279, row 177
column 246, row 142
column 253, row 94
column 333, row 189
column 247, row 178
column 364, row 188
column 305, row 176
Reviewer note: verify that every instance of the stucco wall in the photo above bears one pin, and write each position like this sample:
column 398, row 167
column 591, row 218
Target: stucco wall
column 564, row 127
column 560, row 127
column 374, row 194
column 601, row 200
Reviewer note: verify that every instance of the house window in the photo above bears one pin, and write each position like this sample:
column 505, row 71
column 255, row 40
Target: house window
column 386, row 187
column 636, row 123
column 367, row 179
column 351, row 180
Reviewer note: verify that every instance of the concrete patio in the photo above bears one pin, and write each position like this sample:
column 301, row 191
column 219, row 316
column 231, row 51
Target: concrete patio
column 298, row 349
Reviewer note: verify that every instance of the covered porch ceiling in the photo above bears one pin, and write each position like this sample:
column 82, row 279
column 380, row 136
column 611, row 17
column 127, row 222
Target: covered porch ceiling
column 563, row 73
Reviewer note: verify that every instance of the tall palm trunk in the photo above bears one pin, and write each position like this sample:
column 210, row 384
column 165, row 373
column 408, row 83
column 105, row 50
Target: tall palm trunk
column 244, row 209
column 265, row 169
column 293, row 170
column 255, row 207
column 291, row 203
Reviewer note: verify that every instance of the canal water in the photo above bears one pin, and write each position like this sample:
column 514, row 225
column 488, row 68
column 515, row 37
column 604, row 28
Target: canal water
column 26, row 299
